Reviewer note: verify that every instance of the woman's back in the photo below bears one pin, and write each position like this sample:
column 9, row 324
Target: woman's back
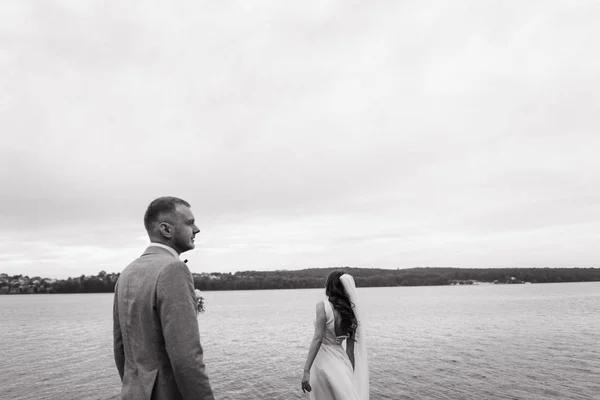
column 333, row 326
column 331, row 372
column 338, row 323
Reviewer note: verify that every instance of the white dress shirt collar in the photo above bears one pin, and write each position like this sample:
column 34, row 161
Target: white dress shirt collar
column 171, row 250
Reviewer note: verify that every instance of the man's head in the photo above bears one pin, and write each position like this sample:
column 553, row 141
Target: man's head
column 169, row 220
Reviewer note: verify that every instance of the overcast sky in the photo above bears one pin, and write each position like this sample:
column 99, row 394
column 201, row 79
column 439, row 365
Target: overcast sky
column 388, row 134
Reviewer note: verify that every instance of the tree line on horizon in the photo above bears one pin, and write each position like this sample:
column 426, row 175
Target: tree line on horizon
column 311, row 278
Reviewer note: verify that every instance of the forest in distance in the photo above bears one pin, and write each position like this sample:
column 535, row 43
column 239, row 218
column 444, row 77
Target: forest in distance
column 312, row 278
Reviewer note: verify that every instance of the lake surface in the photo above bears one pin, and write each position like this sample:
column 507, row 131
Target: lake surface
column 450, row 342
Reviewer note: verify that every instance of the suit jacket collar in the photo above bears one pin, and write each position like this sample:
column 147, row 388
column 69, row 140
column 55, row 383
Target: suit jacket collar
column 158, row 248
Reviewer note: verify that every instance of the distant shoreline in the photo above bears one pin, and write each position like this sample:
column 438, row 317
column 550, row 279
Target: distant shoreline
column 257, row 290
column 312, row 279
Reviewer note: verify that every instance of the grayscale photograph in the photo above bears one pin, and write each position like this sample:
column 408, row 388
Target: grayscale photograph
column 285, row 200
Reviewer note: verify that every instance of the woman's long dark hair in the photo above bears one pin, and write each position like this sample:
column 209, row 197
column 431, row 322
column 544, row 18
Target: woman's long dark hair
column 334, row 289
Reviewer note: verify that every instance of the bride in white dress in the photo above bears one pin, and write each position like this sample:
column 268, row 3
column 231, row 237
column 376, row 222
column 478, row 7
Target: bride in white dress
column 334, row 371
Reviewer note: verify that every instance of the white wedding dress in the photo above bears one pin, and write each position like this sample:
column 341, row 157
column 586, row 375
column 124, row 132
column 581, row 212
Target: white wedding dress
column 331, row 375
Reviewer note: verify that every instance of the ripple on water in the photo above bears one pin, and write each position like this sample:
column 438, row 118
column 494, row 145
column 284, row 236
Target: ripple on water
column 525, row 342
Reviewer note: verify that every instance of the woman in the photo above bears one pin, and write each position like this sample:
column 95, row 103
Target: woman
column 332, row 372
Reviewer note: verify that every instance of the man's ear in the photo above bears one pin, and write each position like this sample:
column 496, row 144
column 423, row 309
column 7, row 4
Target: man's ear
column 165, row 229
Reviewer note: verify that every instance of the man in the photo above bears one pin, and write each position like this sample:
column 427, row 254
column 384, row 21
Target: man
column 156, row 336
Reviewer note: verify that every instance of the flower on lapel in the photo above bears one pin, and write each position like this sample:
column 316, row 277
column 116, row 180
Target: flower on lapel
column 199, row 301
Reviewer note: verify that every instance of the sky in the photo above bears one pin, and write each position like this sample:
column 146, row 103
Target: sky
column 385, row 134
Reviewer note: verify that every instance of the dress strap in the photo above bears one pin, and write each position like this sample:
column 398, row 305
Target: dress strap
column 328, row 310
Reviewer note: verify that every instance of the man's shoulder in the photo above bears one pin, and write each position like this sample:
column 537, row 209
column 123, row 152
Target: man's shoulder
column 173, row 266
column 151, row 265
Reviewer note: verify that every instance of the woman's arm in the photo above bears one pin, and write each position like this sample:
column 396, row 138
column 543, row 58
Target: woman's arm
column 315, row 345
column 350, row 349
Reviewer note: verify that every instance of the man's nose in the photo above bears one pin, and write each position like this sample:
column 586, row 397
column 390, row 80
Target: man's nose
column 196, row 229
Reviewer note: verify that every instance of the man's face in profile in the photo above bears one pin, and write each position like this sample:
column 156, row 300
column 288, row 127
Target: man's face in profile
column 184, row 228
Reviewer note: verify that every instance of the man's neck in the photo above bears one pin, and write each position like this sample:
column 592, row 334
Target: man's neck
column 166, row 247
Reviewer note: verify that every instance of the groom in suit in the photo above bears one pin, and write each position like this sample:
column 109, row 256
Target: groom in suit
column 156, row 337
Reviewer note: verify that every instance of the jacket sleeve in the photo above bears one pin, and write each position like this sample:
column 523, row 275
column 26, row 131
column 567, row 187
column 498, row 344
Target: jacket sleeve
column 176, row 305
column 118, row 337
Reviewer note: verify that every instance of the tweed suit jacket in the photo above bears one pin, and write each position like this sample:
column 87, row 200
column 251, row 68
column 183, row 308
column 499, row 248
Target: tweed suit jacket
column 155, row 327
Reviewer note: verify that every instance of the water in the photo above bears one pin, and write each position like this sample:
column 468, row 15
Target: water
column 451, row 342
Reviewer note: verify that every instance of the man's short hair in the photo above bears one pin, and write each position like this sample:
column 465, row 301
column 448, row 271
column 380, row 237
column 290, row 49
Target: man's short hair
column 161, row 206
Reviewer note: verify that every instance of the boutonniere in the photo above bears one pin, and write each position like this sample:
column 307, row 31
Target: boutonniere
column 199, row 301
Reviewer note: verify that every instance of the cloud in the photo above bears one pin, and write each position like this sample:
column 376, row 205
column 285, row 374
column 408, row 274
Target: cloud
column 309, row 134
